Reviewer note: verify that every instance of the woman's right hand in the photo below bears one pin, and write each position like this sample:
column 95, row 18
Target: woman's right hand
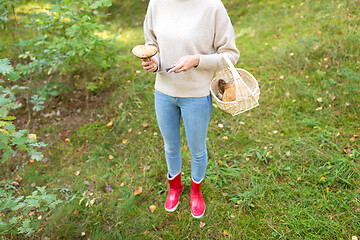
column 149, row 64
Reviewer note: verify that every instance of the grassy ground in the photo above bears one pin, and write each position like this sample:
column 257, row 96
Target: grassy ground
column 288, row 169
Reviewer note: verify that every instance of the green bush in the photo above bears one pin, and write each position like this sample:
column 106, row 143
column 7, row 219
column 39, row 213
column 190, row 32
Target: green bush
column 10, row 138
column 18, row 214
column 23, row 214
column 67, row 41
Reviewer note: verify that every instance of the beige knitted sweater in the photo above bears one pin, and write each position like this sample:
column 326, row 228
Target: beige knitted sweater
column 187, row 27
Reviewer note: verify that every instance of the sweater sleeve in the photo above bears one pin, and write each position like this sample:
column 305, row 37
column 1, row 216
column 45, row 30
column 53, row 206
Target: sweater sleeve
column 149, row 35
column 224, row 42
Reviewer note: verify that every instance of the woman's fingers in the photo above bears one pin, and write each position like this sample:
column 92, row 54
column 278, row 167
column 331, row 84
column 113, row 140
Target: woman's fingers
column 149, row 65
column 185, row 63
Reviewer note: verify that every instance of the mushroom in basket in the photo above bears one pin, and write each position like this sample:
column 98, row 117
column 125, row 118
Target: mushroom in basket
column 228, row 91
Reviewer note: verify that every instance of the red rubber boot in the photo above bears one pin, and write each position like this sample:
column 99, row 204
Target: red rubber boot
column 176, row 188
column 197, row 204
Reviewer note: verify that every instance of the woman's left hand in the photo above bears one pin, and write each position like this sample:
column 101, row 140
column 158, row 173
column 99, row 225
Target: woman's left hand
column 185, row 63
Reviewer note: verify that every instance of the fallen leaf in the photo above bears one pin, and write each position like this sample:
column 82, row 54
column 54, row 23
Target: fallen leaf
column 288, row 153
column 83, row 234
column 220, row 125
column 225, row 137
column 352, row 139
column 220, row 163
column 18, row 178
column 67, row 139
column 226, row 233
column 319, row 99
column 152, row 208
column 32, row 136
column 15, row 184
column 122, row 184
column 108, row 188
column 77, row 173
column 202, row 224
column 92, row 188
column 333, row 98
column 354, row 238
column 348, row 151
column 111, row 157
column 319, row 108
column 327, row 190
column 322, row 179
column 146, row 167
column 287, row 94
column 109, row 124
column 232, row 215
column 138, row 191
column 124, row 141
column 145, row 124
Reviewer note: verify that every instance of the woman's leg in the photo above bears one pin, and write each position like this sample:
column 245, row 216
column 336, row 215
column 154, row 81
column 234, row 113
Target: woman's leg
column 196, row 115
column 168, row 117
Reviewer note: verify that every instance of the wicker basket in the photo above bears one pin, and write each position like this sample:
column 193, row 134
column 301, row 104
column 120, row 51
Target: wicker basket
column 247, row 89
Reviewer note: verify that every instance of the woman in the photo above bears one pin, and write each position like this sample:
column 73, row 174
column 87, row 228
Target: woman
column 189, row 35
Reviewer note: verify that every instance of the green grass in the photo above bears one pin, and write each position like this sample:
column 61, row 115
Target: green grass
column 282, row 172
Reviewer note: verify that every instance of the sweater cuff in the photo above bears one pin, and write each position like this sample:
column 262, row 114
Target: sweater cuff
column 210, row 61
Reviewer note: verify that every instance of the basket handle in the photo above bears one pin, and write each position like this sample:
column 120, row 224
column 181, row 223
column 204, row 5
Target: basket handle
column 237, row 76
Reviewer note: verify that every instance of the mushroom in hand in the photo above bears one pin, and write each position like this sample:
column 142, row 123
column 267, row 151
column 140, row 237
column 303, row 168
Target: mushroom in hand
column 144, row 51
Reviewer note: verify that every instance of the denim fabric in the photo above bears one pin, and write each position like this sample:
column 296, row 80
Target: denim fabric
column 195, row 113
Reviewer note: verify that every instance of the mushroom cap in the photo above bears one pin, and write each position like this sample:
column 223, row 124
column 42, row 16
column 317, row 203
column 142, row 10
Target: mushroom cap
column 229, row 94
column 144, row 51
column 221, row 85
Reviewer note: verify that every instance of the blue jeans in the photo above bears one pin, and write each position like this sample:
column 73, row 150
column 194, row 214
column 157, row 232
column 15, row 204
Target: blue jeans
column 195, row 113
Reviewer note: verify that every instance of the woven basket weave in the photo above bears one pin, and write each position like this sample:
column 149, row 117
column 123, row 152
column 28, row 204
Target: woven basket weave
column 247, row 89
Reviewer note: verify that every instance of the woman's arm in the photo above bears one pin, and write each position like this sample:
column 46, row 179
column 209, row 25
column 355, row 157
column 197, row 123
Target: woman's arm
column 150, row 39
column 224, row 42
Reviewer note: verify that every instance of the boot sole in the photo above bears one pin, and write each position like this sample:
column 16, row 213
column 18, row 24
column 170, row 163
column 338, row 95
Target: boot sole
column 200, row 216
column 173, row 209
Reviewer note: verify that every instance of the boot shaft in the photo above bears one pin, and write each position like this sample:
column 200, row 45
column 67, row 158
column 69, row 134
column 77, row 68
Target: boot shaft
column 195, row 187
column 175, row 182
